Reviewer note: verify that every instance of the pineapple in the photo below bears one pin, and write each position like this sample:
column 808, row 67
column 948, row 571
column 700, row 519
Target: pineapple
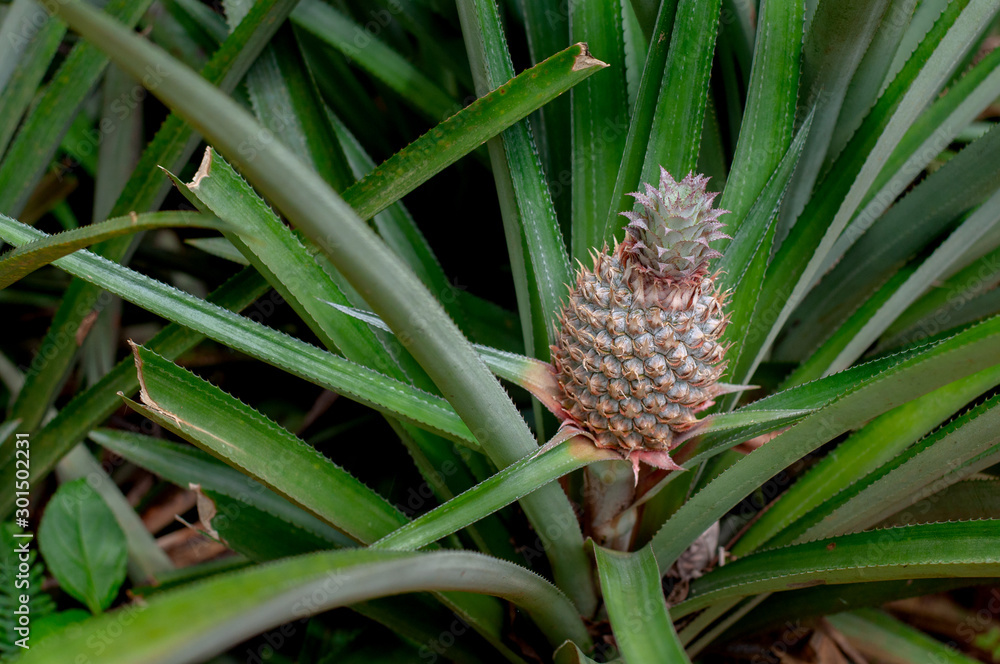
column 639, row 351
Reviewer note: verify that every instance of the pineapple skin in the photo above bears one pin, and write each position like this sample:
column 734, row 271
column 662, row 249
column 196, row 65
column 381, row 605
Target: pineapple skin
column 639, row 351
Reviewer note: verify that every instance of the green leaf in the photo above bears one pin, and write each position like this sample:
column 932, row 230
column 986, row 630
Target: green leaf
column 963, row 447
column 95, row 404
column 883, row 637
column 766, row 131
column 388, row 286
column 801, row 255
column 20, row 577
column 27, row 258
column 638, row 613
column 600, row 116
column 877, row 443
column 83, row 545
column 643, row 111
column 490, row 114
column 375, row 57
column 975, row 498
column 678, row 119
column 911, row 224
column 189, row 406
column 40, row 134
column 210, row 616
column 262, row 342
column 909, row 552
column 503, row 488
column 911, row 376
column 184, row 465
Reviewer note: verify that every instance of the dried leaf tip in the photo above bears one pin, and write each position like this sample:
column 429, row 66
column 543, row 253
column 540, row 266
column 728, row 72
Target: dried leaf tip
column 203, row 169
column 585, row 60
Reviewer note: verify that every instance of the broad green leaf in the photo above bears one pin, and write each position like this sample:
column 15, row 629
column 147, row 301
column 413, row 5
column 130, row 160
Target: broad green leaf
column 375, row 57
column 600, row 116
column 210, row 616
column 185, row 464
column 245, row 439
column 39, row 136
column 95, row 404
column 83, row 545
column 877, row 443
column 912, row 376
column 500, row 490
column 264, row 343
column 908, row 552
column 495, row 110
column 570, row 653
column 881, row 636
column 798, row 260
column 766, row 131
column 27, row 258
column 636, row 608
column 675, row 136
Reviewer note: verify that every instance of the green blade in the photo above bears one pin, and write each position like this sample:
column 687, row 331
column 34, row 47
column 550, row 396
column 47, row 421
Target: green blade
column 638, row 613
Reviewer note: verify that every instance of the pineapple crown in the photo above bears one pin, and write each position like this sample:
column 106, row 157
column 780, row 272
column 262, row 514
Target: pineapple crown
column 670, row 236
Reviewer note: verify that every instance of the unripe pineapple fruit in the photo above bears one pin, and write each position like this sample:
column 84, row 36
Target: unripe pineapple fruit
column 639, row 351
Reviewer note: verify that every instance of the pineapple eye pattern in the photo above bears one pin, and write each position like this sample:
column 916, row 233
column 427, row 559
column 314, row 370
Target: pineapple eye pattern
column 639, row 350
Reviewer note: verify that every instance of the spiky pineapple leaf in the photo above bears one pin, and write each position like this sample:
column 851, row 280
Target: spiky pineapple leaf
column 41, row 132
column 249, row 441
column 600, row 116
column 95, row 404
column 863, row 452
column 633, row 596
column 212, row 615
column 954, row 452
column 502, row 105
column 909, row 377
column 883, row 636
column 908, row 552
column 17, row 263
column 172, row 146
column 184, row 465
column 977, row 497
column 798, row 260
column 376, row 57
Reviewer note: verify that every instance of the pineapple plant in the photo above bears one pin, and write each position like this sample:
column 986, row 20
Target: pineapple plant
column 640, row 348
column 505, row 471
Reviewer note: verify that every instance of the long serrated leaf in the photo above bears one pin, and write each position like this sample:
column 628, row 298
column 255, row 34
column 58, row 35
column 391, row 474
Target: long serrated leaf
column 636, row 608
column 766, row 130
column 875, row 444
column 40, row 134
column 189, row 406
column 801, row 255
column 27, row 258
column 374, row 56
column 503, row 488
column 909, row 552
column 917, row 374
column 600, row 115
column 391, row 289
column 264, row 343
column 215, row 614
column 495, row 110
column 186, row 464
column 880, row 636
